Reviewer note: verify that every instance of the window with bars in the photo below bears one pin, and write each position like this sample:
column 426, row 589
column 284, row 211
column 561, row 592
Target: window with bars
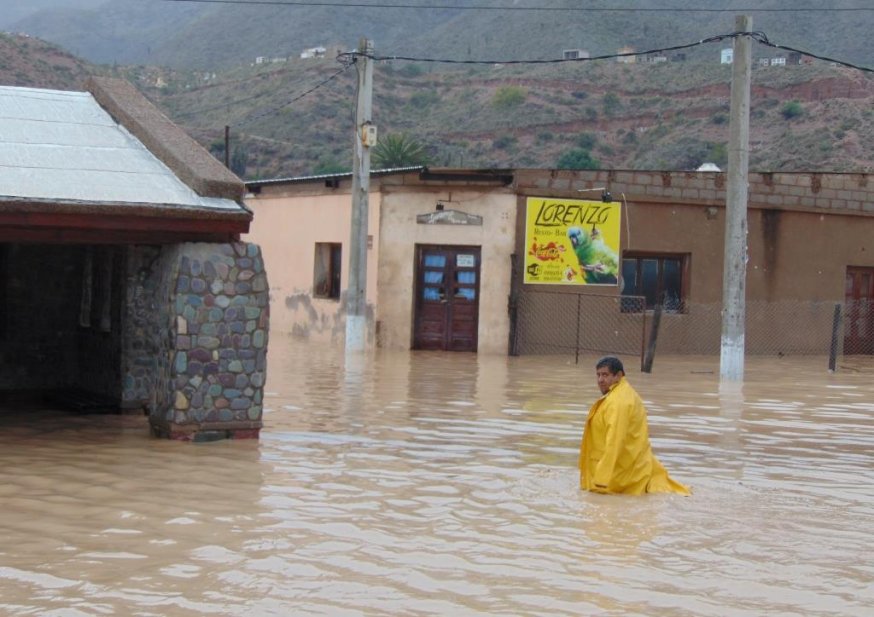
column 660, row 278
column 326, row 272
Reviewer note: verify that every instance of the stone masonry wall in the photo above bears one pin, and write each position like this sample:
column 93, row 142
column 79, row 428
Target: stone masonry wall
column 147, row 336
column 219, row 311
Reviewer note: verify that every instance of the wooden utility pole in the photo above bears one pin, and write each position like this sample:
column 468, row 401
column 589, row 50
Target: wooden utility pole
column 227, row 146
column 356, row 293
column 731, row 360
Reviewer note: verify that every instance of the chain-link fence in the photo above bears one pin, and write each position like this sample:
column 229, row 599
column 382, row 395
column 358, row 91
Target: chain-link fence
column 552, row 322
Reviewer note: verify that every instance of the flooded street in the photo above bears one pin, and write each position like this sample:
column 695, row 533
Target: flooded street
column 446, row 484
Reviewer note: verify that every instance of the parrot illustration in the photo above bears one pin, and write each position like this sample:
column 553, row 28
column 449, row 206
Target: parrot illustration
column 599, row 262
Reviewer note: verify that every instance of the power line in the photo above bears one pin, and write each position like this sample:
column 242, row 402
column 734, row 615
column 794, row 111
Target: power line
column 528, row 8
column 201, row 110
column 348, row 60
column 322, row 83
column 759, row 37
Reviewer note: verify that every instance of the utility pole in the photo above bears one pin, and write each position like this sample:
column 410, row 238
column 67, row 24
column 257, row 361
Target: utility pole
column 731, row 359
column 227, row 146
column 356, row 293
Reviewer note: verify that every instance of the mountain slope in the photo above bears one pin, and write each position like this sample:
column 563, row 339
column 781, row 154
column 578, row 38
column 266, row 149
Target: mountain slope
column 210, row 36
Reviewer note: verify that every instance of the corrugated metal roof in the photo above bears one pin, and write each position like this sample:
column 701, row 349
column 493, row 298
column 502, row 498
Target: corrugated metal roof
column 344, row 174
column 64, row 146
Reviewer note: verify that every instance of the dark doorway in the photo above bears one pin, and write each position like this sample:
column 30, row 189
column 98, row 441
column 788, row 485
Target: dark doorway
column 859, row 311
column 447, row 298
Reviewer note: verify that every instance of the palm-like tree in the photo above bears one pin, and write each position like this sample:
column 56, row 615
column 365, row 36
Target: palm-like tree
column 398, row 150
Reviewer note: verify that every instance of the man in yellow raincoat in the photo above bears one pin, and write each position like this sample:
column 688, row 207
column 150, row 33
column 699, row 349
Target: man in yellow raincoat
column 615, row 454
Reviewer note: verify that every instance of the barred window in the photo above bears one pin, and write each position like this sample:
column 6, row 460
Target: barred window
column 326, row 272
column 660, row 278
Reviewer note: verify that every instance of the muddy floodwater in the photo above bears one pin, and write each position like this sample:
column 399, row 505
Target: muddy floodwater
column 446, row 484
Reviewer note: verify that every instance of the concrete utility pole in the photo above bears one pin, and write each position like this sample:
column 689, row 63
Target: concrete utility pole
column 731, row 361
column 356, row 293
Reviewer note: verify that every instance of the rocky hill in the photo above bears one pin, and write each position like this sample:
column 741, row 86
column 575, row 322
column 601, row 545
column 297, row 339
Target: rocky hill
column 27, row 61
column 295, row 117
column 634, row 116
column 206, row 35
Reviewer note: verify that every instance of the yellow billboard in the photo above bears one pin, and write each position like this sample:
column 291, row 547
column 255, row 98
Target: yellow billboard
column 572, row 241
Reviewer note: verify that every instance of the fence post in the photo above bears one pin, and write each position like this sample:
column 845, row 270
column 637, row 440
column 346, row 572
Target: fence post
column 653, row 338
column 577, row 339
column 833, row 350
column 513, row 307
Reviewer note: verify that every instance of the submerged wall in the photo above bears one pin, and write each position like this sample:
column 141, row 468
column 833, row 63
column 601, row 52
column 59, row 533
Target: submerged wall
column 217, row 313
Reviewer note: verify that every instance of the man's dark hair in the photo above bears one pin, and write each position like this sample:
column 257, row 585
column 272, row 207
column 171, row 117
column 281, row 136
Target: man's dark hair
column 613, row 364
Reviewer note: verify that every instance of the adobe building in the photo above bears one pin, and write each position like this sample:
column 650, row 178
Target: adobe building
column 454, row 261
column 123, row 281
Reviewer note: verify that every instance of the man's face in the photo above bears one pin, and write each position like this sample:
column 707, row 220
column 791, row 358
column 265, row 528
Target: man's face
column 606, row 378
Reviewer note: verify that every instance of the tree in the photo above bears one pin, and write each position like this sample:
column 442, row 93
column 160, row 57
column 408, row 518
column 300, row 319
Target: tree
column 398, row 150
column 578, row 158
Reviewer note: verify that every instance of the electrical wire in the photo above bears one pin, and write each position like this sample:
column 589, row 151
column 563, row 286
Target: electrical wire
column 319, row 85
column 759, row 37
column 348, row 59
column 504, row 8
column 272, row 110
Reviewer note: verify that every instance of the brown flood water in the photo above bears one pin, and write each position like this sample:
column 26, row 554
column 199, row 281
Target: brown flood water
column 446, row 484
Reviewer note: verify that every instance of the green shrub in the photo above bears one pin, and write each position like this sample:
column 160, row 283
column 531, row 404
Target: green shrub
column 578, row 158
column 612, row 104
column 508, row 97
column 587, row 141
column 792, row 109
column 504, row 142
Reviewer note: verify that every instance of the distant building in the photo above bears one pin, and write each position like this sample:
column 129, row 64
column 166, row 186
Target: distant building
column 656, row 58
column 626, row 59
column 575, row 54
column 313, row 52
column 708, row 167
column 778, row 61
column 726, row 56
column 260, row 59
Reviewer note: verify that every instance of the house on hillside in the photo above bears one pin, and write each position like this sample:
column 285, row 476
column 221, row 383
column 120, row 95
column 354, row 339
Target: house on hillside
column 575, row 54
column 542, row 261
column 313, row 52
column 123, row 281
column 625, row 59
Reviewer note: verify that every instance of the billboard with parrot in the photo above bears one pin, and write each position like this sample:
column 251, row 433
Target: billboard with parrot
column 572, row 241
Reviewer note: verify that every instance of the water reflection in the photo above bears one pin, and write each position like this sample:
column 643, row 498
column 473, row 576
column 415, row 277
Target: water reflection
column 433, row 484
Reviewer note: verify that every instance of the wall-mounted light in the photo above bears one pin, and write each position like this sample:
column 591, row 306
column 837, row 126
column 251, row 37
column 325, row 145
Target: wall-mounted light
column 440, row 205
column 710, row 213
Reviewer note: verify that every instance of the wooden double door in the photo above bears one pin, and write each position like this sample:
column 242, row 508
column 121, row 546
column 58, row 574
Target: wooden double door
column 859, row 312
column 447, row 298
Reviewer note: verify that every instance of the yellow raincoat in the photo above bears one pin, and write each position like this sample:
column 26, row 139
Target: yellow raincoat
column 615, row 454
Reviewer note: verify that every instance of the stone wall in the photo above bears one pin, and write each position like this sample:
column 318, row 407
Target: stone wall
column 147, row 335
column 217, row 358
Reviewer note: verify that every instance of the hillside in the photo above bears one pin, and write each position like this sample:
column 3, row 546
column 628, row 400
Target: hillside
column 26, row 61
column 635, row 116
column 295, row 117
column 210, row 36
